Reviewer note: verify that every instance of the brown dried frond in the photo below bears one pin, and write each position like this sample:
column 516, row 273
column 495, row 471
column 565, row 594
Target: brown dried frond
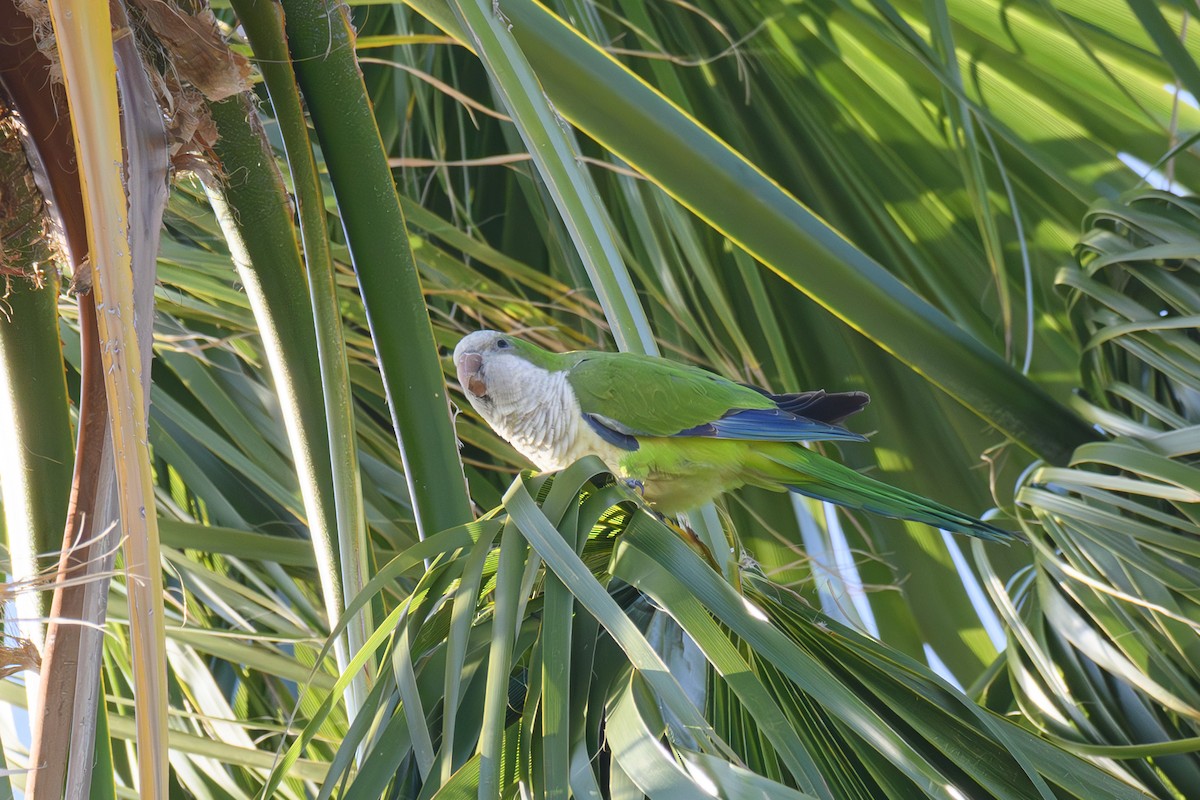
column 24, row 655
column 38, row 12
column 196, row 49
column 27, row 245
column 190, row 128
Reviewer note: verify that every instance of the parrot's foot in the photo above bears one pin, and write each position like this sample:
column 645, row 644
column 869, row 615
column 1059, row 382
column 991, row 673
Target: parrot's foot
column 689, row 536
column 681, row 530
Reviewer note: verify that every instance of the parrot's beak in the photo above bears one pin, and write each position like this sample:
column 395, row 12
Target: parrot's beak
column 469, row 366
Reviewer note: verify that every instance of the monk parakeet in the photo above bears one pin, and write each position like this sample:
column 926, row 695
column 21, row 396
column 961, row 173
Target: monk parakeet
column 680, row 434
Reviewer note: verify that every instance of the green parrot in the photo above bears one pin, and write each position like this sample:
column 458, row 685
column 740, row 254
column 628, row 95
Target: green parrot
column 679, row 434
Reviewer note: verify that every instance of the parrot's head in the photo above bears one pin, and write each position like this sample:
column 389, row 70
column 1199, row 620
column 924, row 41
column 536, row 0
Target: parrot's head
column 522, row 392
column 497, row 371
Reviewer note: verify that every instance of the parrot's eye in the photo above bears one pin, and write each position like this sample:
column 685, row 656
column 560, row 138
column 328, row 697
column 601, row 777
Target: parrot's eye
column 502, row 344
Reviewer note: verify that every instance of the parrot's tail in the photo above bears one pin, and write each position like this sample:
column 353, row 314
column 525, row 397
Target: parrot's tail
column 805, row 472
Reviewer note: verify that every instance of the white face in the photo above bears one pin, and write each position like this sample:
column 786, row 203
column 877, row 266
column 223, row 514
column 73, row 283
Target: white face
column 494, row 376
column 531, row 407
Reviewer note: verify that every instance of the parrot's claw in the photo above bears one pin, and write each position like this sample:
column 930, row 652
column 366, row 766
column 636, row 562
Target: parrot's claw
column 637, row 486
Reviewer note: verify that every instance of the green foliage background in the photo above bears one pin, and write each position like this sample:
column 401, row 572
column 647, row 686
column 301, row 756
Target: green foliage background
column 923, row 200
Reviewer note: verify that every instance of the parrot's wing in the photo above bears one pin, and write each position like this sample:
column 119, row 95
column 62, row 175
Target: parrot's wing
column 771, row 425
column 819, row 405
column 623, row 396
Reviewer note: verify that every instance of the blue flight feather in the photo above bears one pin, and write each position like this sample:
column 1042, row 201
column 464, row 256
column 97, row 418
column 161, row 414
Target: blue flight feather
column 771, row 425
column 617, row 438
column 818, row 404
